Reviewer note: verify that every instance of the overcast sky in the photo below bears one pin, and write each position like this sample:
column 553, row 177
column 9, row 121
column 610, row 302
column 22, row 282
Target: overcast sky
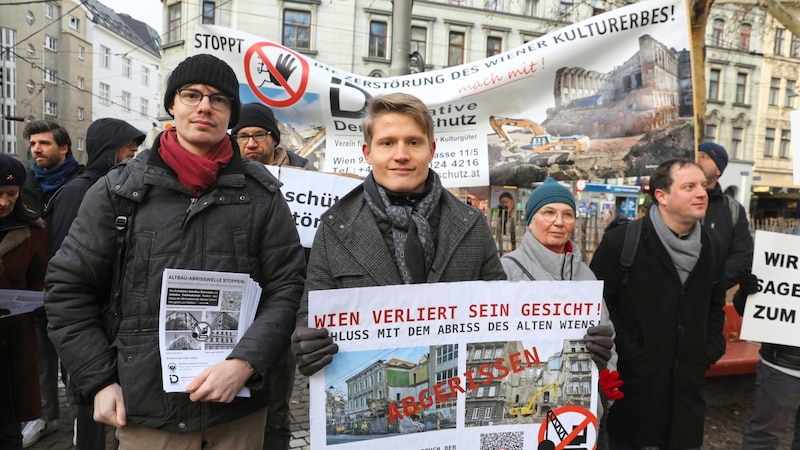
column 148, row 11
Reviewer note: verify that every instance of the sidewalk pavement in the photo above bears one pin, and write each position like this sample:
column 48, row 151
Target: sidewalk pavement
column 62, row 438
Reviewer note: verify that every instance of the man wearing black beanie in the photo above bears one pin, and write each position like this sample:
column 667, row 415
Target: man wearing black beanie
column 258, row 137
column 196, row 205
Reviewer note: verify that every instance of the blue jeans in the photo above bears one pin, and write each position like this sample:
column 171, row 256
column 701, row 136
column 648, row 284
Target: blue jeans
column 777, row 402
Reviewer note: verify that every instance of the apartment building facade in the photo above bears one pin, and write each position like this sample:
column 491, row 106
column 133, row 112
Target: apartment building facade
column 48, row 58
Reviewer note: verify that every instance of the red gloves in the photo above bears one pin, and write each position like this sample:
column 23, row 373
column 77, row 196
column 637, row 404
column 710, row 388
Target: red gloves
column 610, row 383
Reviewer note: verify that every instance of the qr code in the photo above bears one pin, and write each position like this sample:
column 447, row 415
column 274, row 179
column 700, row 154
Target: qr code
column 511, row 440
column 231, row 301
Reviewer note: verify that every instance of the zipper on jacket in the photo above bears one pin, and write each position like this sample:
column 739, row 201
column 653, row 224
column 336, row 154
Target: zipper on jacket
column 189, row 211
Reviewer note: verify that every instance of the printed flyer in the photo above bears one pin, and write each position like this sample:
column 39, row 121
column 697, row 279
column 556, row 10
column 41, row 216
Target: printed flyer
column 469, row 365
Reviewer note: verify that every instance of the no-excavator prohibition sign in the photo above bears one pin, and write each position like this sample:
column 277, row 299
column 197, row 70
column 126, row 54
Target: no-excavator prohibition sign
column 568, row 427
column 261, row 63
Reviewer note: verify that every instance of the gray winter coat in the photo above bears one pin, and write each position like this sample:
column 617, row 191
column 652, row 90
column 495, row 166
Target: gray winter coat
column 350, row 251
column 240, row 224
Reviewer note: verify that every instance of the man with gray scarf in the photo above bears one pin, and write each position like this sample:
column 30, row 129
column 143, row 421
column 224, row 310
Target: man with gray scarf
column 667, row 312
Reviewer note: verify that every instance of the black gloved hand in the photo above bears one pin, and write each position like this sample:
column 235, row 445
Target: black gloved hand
column 748, row 283
column 599, row 342
column 313, row 349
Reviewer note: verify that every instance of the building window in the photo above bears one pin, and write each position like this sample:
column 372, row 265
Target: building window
column 105, row 57
column 297, row 29
column 174, row 22
column 774, row 91
column 741, row 87
column 81, row 113
column 377, row 39
column 794, row 51
column 744, row 36
column 81, row 52
column 81, row 144
column 769, row 142
column 458, row 2
column 475, row 413
column 455, row 54
column 788, row 100
column 209, row 12
column 50, row 108
column 477, row 355
column 48, row 11
column 126, row 100
column 736, row 143
column 492, row 391
column 488, row 413
column 145, row 76
column 717, row 32
column 50, row 75
column 494, row 45
column 51, row 43
column 565, row 8
column 711, row 133
column 419, row 40
column 126, row 67
column 105, row 94
column 479, row 394
column 144, row 106
column 446, row 353
column 81, row 83
column 786, row 140
column 75, row 23
column 778, row 46
column 494, row 5
column 713, row 84
column 498, row 352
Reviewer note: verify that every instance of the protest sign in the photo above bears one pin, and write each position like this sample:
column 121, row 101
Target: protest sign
column 607, row 97
column 457, row 365
column 771, row 314
column 309, row 194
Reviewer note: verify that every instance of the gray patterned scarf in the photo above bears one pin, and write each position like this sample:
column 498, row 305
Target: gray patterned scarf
column 683, row 252
column 411, row 229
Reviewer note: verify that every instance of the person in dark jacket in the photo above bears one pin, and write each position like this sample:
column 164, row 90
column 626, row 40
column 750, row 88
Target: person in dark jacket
column 259, row 138
column 398, row 227
column 108, row 141
column 667, row 313
column 55, row 166
column 738, row 241
column 777, row 386
column 198, row 206
column 23, row 262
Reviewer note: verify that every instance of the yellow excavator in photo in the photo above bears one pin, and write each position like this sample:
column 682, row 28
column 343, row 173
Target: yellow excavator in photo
column 530, row 408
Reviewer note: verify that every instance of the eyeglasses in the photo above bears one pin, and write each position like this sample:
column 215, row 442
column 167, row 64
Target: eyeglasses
column 191, row 97
column 261, row 136
column 550, row 215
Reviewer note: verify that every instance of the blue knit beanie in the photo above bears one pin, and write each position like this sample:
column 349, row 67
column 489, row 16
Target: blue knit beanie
column 549, row 192
column 717, row 153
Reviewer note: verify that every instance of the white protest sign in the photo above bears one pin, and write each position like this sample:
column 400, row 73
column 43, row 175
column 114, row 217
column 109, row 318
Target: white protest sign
column 467, row 365
column 771, row 314
column 309, row 194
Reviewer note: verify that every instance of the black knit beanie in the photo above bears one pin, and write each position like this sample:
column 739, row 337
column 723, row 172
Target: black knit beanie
column 258, row 115
column 209, row 70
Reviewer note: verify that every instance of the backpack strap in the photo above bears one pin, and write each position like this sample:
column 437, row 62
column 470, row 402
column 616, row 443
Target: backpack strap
column 734, row 206
column 521, row 267
column 124, row 212
column 632, row 235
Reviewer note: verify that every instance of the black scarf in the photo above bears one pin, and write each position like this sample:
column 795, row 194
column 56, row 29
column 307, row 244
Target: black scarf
column 409, row 216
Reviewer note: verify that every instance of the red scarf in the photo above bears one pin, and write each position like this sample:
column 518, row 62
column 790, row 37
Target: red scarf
column 196, row 173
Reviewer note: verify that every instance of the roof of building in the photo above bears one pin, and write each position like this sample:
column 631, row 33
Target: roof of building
column 137, row 32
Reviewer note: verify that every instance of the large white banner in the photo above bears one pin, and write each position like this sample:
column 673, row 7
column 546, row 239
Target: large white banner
column 773, row 313
column 468, row 365
column 603, row 98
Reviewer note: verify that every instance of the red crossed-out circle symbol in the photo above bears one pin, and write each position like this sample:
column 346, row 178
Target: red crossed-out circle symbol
column 579, row 418
column 268, row 53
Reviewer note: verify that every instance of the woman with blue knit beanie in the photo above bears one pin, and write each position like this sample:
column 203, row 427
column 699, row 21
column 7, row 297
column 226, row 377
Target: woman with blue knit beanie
column 547, row 253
